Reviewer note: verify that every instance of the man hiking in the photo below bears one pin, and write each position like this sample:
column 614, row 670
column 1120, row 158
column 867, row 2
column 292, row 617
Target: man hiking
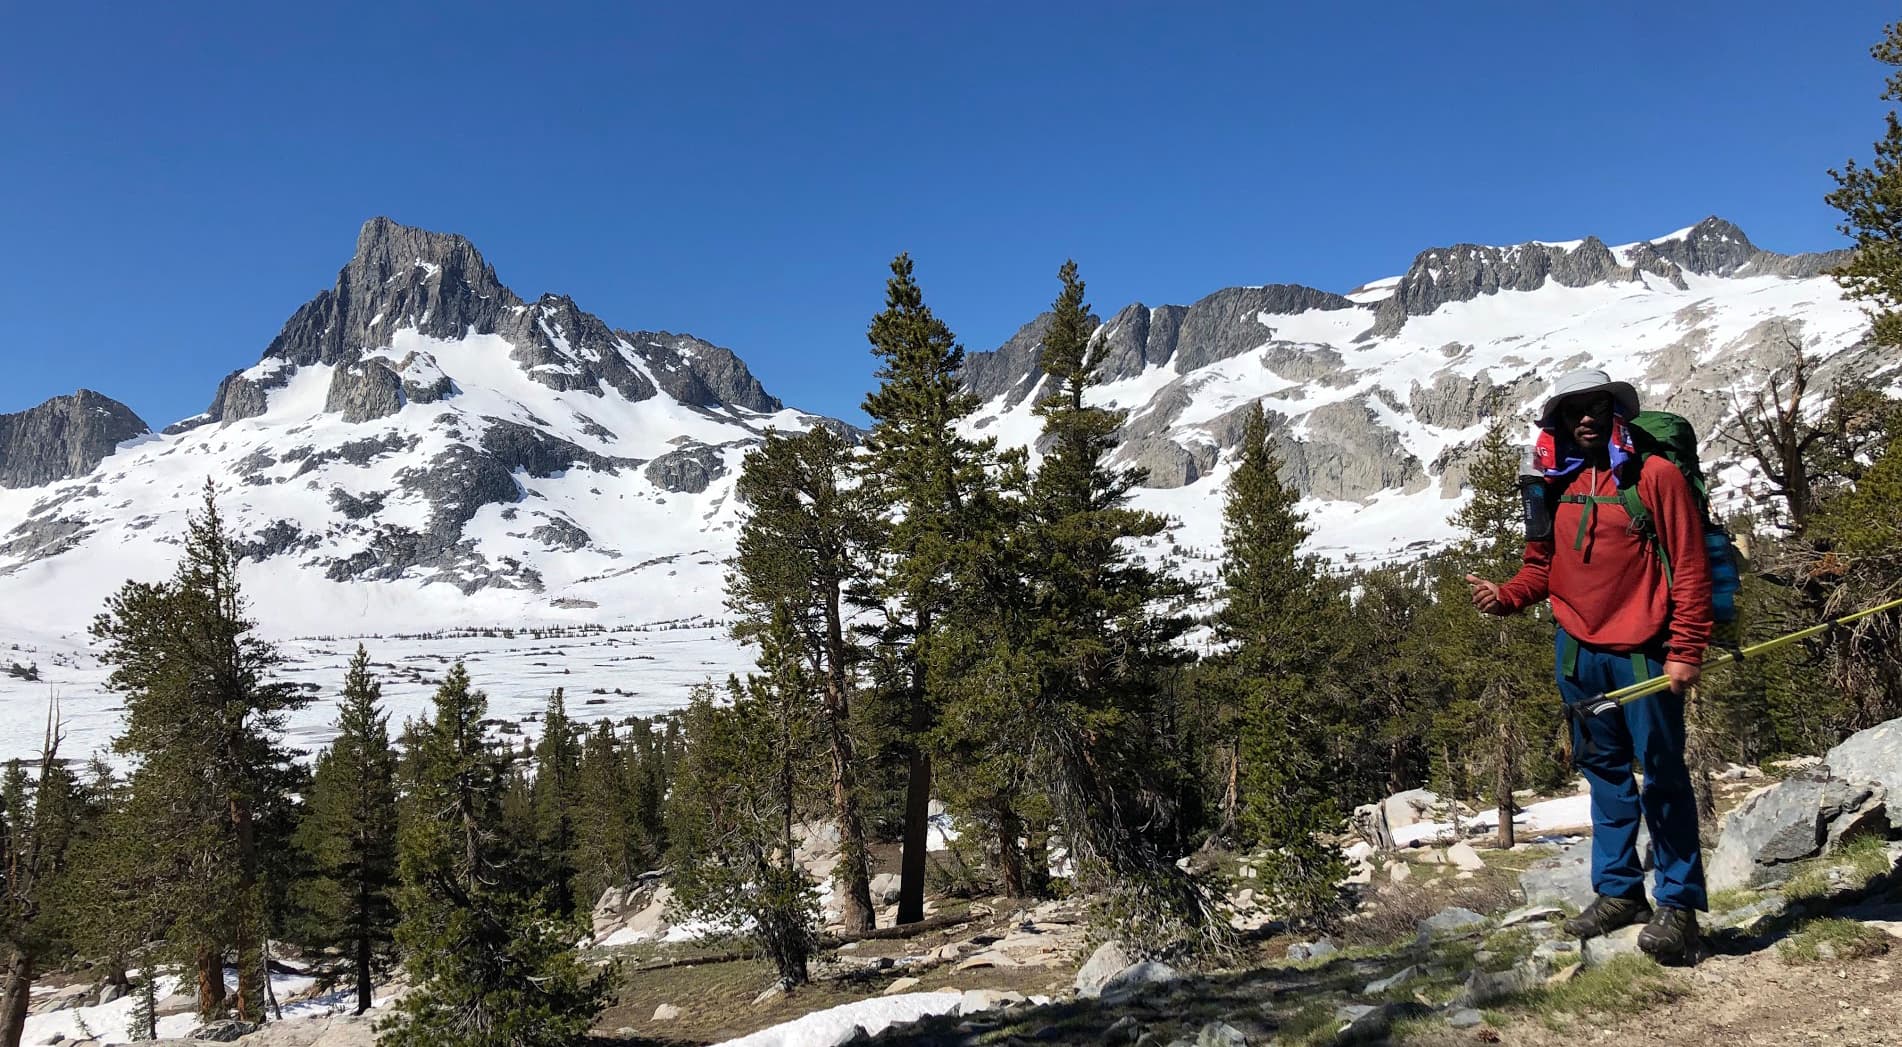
column 1630, row 605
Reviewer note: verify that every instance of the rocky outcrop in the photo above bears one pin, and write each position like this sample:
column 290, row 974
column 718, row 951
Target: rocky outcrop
column 364, row 390
column 1845, row 796
column 64, row 437
column 1139, row 337
column 688, row 470
column 1348, row 453
column 1166, row 463
column 1011, row 370
column 699, row 373
column 1712, row 247
column 1715, row 247
column 1236, row 319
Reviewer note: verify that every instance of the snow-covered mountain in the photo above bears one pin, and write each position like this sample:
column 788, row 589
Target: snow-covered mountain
column 420, row 450
column 1380, row 393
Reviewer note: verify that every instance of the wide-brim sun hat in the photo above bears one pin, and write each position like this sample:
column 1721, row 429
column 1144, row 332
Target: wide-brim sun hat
column 1578, row 383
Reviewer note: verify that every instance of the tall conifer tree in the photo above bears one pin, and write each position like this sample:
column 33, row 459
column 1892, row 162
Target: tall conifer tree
column 805, row 538
column 1279, row 615
column 349, row 832
column 203, row 723
column 1100, row 648
column 556, row 800
column 924, row 470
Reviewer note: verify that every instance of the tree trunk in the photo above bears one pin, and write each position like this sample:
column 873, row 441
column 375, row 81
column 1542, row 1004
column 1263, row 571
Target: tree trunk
column 364, row 990
column 1010, row 853
column 13, row 1003
column 854, row 876
column 248, row 925
column 211, row 983
column 911, row 863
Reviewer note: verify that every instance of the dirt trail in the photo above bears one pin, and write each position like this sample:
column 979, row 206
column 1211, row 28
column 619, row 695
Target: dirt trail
column 1754, row 1000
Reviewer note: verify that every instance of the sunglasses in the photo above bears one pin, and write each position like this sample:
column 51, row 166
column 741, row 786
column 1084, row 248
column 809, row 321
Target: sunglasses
column 1599, row 405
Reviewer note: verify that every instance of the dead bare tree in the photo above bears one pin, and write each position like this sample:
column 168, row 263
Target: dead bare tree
column 1775, row 434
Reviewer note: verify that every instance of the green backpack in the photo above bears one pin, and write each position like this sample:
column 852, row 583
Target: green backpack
column 1673, row 438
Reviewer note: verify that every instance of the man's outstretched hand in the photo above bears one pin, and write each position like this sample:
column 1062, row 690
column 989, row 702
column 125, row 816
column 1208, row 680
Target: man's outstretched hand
column 1486, row 595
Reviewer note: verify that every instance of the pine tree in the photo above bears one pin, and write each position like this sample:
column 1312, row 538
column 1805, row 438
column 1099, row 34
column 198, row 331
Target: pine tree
column 349, row 833
column 923, row 470
column 1280, row 616
column 142, row 1023
column 1496, row 708
column 1870, row 199
column 203, row 722
column 741, row 787
column 1099, row 650
column 42, row 816
column 488, row 965
column 986, row 732
column 608, row 840
column 804, row 539
column 557, row 772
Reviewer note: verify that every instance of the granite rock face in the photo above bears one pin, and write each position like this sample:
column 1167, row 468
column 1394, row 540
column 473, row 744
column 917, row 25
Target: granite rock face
column 64, row 437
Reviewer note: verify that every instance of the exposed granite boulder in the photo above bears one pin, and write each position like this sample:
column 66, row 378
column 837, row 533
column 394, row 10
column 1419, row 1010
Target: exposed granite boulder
column 1873, row 755
column 688, row 470
column 1784, row 824
column 64, row 437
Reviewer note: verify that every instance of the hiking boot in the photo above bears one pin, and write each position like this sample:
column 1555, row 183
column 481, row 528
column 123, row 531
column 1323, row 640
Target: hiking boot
column 1606, row 914
column 1671, row 935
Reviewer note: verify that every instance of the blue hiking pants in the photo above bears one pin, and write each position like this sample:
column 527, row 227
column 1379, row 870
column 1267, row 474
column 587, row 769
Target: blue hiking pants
column 1649, row 732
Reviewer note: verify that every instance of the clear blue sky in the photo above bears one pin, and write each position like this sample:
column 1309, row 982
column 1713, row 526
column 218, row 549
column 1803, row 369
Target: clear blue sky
column 178, row 178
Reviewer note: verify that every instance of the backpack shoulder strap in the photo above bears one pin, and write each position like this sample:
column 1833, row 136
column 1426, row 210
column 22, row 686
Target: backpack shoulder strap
column 1641, row 519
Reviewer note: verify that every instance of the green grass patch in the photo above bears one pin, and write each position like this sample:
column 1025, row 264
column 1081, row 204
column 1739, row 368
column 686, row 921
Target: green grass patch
column 1858, row 862
column 1508, row 947
column 1625, row 985
column 1310, row 1026
column 1833, row 938
column 1734, row 898
column 1519, row 858
column 1407, row 1029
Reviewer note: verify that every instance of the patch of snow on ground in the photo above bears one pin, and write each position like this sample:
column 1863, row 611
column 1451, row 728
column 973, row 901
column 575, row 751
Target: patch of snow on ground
column 837, row 1025
column 1566, row 812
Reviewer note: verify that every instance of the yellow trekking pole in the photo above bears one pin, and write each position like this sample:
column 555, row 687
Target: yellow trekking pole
column 1624, row 695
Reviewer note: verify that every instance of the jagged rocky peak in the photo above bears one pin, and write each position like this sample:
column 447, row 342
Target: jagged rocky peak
column 1712, row 247
column 1226, row 323
column 437, row 285
column 64, row 437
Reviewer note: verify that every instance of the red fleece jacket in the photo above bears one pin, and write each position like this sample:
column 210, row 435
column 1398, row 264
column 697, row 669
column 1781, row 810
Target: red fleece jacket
column 1610, row 590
